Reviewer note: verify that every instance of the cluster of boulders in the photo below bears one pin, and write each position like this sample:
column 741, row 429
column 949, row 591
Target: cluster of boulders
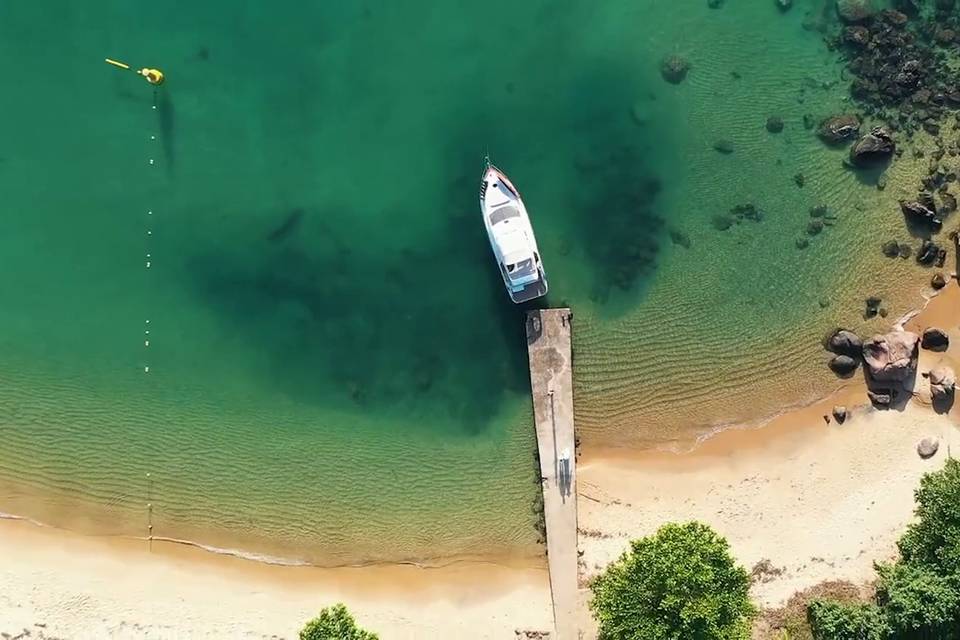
column 889, row 360
column 890, row 364
column 900, row 72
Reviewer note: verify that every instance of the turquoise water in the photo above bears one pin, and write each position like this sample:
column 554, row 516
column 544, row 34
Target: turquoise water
column 334, row 373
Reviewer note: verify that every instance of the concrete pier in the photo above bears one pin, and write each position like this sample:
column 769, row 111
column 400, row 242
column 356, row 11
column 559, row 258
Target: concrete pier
column 551, row 381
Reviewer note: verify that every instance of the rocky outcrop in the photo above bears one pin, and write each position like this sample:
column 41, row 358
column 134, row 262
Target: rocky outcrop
column 837, row 129
column 843, row 365
column 845, row 343
column 674, row 69
column 928, row 447
column 938, row 281
column 935, row 339
column 854, row 11
column 877, row 147
column 892, row 357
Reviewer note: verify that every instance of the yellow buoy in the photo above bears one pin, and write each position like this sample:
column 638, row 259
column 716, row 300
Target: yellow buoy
column 153, row 76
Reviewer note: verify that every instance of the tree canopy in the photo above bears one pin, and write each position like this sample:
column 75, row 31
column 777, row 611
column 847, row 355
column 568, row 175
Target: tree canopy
column 335, row 623
column 679, row 584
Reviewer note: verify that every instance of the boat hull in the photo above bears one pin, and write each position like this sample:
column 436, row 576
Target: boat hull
column 511, row 237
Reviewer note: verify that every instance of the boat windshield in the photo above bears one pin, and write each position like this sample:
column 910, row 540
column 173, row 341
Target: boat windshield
column 520, row 269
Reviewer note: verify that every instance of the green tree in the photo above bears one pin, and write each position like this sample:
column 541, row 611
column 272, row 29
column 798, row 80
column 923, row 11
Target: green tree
column 335, row 623
column 918, row 603
column 679, row 584
column 934, row 539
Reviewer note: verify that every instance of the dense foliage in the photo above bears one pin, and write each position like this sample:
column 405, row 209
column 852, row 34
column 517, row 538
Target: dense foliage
column 335, row 623
column 838, row 621
column 679, row 584
column 918, row 598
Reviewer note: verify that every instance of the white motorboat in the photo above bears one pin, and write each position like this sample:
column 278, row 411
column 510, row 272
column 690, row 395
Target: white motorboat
column 511, row 236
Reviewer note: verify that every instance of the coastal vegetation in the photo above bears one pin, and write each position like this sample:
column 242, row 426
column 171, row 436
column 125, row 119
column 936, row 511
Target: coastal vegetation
column 679, row 583
column 335, row 623
column 916, row 597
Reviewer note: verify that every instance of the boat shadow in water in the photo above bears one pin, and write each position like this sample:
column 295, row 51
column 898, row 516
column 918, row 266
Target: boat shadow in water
column 372, row 331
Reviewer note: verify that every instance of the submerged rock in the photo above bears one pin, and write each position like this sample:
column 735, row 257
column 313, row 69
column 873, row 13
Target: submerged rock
column 892, row 357
column 774, row 124
column 875, row 148
column 928, row 447
column 854, row 11
column 841, row 128
column 843, row 365
column 938, row 281
column 721, row 222
column 856, row 36
column 935, row 339
column 814, row 227
column 784, row 5
column 674, row 69
column 891, row 249
column 723, row 146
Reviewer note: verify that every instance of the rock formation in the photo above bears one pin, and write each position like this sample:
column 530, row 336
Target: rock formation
column 892, row 357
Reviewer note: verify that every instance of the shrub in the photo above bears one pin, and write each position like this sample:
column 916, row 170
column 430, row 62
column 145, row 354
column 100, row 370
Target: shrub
column 918, row 603
column 679, row 584
column 335, row 623
column 934, row 540
column 835, row 621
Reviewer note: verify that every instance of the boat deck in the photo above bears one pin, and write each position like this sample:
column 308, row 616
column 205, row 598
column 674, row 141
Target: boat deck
column 551, row 380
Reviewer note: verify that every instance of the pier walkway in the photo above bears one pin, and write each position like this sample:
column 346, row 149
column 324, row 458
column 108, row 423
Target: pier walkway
column 551, row 381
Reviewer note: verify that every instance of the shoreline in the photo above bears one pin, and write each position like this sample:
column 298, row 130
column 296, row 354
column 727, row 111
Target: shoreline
column 760, row 485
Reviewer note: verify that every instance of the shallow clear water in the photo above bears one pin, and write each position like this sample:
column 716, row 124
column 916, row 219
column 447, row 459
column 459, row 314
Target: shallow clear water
column 334, row 373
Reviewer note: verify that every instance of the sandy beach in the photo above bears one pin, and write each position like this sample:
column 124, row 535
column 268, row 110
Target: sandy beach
column 56, row 584
column 817, row 499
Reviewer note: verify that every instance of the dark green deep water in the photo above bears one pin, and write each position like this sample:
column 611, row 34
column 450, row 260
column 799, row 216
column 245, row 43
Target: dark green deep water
column 334, row 373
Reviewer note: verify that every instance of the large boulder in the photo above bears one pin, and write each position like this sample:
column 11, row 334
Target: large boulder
column 845, row 343
column 837, row 129
column 875, row 148
column 943, row 382
column 892, row 357
column 843, row 365
column 922, row 211
column 935, row 339
column 854, row 11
